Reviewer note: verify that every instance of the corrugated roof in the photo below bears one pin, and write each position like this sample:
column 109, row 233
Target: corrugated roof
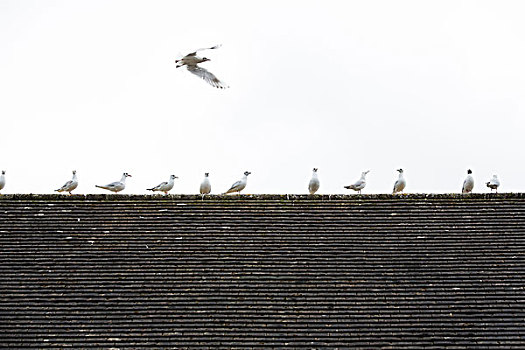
column 371, row 271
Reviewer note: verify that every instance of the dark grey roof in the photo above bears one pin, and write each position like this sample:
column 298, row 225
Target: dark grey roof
column 260, row 271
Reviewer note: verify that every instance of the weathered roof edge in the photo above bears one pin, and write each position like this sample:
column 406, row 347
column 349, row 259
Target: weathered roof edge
column 294, row 197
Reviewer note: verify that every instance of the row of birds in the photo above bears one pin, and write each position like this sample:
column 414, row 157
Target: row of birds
column 205, row 187
column 400, row 184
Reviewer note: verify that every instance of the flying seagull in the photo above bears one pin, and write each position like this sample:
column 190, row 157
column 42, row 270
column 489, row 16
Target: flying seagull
column 2, row 180
column 164, row 186
column 116, row 186
column 239, row 185
column 400, row 183
column 70, row 185
column 313, row 185
column 359, row 184
column 493, row 184
column 191, row 62
column 468, row 184
column 205, row 185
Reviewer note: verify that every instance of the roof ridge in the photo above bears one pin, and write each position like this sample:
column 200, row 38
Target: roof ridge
column 293, row 197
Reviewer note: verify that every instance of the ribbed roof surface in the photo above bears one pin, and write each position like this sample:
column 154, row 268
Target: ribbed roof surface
column 261, row 271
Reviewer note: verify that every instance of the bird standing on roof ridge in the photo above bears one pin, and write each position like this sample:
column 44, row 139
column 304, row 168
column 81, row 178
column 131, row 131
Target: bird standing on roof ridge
column 2, row 180
column 164, row 186
column 191, row 62
column 205, row 185
column 400, row 183
column 70, row 185
column 468, row 184
column 314, row 183
column 239, row 185
column 494, row 183
column 116, row 186
column 359, row 184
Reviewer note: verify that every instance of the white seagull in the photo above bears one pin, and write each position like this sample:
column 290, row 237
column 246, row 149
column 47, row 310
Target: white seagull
column 205, row 185
column 493, row 184
column 468, row 184
column 191, row 62
column 164, row 186
column 116, row 186
column 70, row 185
column 313, row 185
column 2, row 180
column 400, row 183
column 239, row 185
column 359, row 184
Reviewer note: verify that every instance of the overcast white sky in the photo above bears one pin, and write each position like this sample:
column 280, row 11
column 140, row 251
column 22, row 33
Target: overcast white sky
column 434, row 87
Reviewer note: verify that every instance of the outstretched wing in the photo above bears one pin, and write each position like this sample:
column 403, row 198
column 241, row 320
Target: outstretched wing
column 202, row 49
column 207, row 48
column 207, row 76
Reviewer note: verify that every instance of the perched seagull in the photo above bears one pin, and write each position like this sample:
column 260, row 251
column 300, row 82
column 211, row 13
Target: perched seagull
column 468, row 184
column 313, row 185
column 239, row 185
column 70, row 185
column 164, row 186
column 360, row 184
column 400, row 183
column 2, row 180
column 116, row 186
column 191, row 62
column 205, row 185
column 493, row 183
